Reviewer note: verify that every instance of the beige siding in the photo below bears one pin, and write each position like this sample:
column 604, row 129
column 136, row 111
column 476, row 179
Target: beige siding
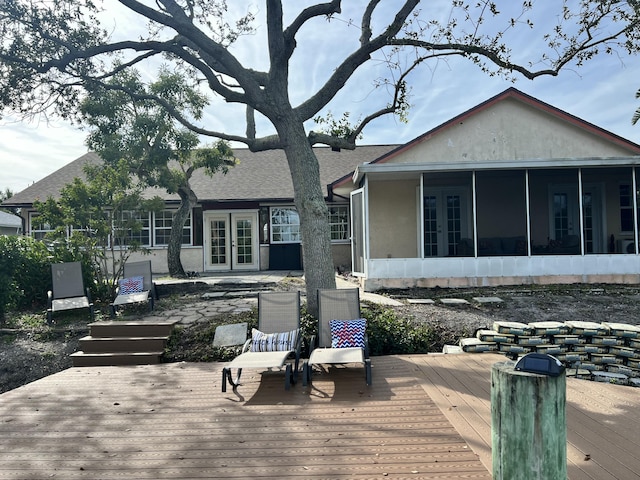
column 393, row 219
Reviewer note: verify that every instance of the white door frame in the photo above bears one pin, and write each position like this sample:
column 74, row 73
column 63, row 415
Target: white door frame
column 440, row 194
column 232, row 256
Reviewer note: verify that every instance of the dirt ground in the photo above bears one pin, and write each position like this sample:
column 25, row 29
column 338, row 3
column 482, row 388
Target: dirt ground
column 28, row 355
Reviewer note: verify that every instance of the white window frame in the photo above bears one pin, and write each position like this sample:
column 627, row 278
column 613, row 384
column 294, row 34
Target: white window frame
column 339, row 223
column 288, row 232
column 38, row 233
column 187, row 230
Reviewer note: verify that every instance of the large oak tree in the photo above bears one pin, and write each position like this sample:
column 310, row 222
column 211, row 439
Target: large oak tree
column 52, row 52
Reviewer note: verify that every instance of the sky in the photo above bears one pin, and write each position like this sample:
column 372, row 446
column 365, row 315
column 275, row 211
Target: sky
column 601, row 92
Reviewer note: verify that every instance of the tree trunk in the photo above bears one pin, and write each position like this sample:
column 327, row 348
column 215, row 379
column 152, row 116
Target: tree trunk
column 313, row 212
column 188, row 200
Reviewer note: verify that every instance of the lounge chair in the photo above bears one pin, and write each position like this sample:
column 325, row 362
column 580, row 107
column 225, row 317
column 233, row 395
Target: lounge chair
column 68, row 291
column 276, row 339
column 136, row 286
column 341, row 305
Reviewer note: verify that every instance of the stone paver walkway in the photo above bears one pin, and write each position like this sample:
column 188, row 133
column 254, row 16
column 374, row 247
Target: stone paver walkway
column 239, row 297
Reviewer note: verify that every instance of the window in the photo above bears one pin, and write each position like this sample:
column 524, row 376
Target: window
column 339, row 222
column 126, row 235
column 38, row 228
column 285, row 225
column 162, row 228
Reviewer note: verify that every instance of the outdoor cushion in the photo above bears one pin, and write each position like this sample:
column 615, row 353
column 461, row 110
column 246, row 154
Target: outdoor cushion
column 274, row 342
column 131, row 285
column 348, row 333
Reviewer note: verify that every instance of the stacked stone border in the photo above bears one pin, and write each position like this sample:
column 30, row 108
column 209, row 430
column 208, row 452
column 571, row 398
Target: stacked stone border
column 603, row 352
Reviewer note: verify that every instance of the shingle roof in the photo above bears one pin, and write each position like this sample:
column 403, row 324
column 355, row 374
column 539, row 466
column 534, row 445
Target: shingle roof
column 258, row 176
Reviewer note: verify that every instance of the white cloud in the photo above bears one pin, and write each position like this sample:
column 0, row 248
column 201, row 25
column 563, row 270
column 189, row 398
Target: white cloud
column 31, row 151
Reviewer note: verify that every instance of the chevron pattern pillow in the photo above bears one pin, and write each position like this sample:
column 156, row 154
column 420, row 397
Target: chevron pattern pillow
column 274, row 342
column 348, row 333
column 131, row 285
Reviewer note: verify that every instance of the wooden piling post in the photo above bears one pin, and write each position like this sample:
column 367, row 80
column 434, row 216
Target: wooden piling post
column 528, row 424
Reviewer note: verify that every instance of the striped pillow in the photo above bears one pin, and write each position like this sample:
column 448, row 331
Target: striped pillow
column 274, row 342
column 348, row 333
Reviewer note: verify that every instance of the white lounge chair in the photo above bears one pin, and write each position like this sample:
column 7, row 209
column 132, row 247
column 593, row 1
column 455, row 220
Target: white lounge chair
column 341, row 305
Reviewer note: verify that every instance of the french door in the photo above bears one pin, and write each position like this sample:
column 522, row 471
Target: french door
column 445, row 220
column 230, row 241
column 565, row 215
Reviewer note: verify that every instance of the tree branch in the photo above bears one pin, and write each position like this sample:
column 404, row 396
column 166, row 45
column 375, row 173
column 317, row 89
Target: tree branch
column 343, row 72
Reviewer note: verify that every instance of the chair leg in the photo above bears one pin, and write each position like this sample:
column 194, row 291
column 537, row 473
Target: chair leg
column 306, row 373
column 288, row 377
column 225, row 373
column 367, row 370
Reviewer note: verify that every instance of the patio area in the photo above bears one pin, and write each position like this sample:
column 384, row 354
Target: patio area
column 425, row 416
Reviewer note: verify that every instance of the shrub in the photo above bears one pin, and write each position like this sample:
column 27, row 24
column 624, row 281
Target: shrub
column 25, row 271
column 390, row 334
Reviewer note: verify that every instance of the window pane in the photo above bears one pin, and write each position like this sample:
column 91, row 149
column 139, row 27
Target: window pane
column 285, row 225
column 339, row 222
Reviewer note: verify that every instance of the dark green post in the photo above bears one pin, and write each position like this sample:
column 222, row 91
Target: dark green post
column 528, row 425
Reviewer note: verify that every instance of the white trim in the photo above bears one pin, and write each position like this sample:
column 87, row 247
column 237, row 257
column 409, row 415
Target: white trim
column 535, row 163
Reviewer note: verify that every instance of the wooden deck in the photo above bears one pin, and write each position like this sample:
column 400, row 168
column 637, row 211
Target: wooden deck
column 426, row 416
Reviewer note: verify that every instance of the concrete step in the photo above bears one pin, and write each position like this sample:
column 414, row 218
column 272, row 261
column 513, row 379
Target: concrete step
column 110, row 329
column 90, row 344
column 82, row 359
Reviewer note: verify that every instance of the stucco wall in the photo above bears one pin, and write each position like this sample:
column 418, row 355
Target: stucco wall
column 509, row 130
column 393, row 218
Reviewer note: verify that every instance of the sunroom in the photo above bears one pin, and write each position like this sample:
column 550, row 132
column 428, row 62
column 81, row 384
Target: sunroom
column 496, row 223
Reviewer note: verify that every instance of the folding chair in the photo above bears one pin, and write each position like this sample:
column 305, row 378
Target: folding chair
column 68, row 291
column 341, row 305
column 133, row 273
column 275, row 341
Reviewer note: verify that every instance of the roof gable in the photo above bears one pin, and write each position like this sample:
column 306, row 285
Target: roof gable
column 510, row 126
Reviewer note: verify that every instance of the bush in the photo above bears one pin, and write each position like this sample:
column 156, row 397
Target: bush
column 391, row 335
column 25, row 271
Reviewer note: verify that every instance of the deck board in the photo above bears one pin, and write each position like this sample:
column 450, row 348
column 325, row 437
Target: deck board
column 603, row 435
column 425, row 416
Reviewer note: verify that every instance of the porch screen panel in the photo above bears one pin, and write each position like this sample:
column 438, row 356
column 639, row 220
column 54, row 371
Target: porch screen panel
column 501, row 212
column 555, row 211
column 607, row 210
column 357, row 230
